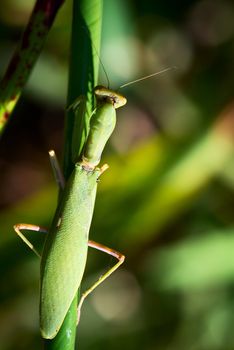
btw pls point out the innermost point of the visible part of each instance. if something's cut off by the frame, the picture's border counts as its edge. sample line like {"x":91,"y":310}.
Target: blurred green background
{"x":167,"y":200}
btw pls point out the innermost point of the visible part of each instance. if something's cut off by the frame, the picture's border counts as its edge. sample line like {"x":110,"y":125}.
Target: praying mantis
{"x":64,"y":254}
{"x":65,"y":250}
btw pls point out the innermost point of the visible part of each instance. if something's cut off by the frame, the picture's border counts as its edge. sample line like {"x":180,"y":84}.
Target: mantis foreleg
{"x":59,"y":178}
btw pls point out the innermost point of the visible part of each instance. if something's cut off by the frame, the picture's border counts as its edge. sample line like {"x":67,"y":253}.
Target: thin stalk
{"x":83,"y":74}
{"x":25,"y":56}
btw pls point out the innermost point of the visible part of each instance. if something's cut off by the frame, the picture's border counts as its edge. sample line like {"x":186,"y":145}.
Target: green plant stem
{"x":83,"y":74}
{"x":83,"y":71}
{"x":25,"y":56}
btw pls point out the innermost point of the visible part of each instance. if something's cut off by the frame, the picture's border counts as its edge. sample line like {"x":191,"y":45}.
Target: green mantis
{"x":65,"y":251}
{"x":64,"y":254}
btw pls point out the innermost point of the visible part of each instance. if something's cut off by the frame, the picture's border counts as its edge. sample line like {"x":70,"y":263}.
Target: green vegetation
{"x":167,"y":200}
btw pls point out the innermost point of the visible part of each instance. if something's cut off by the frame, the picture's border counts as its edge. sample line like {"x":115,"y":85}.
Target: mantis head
{"x":104,"y":94}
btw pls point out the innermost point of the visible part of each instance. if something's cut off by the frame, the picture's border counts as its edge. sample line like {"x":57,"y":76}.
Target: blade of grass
{"x":25,"y":56}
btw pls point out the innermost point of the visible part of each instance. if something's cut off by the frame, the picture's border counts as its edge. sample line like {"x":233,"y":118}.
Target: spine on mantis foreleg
{"x":65,"y":251}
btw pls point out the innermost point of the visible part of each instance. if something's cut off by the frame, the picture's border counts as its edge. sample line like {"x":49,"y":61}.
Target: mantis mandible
{"x":64,"y":254}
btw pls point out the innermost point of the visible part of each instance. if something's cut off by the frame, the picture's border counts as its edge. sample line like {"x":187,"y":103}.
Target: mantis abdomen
{"x":64,"y":255}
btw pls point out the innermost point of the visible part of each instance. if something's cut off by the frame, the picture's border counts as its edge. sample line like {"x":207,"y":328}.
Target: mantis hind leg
{"x":111,"y":252}
{"x":29,"y":227}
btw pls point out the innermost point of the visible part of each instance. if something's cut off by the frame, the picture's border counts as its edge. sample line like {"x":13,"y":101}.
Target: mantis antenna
{"x":147,"y":76}
{"x":96,"y":51}
{"x":103,"y":68}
